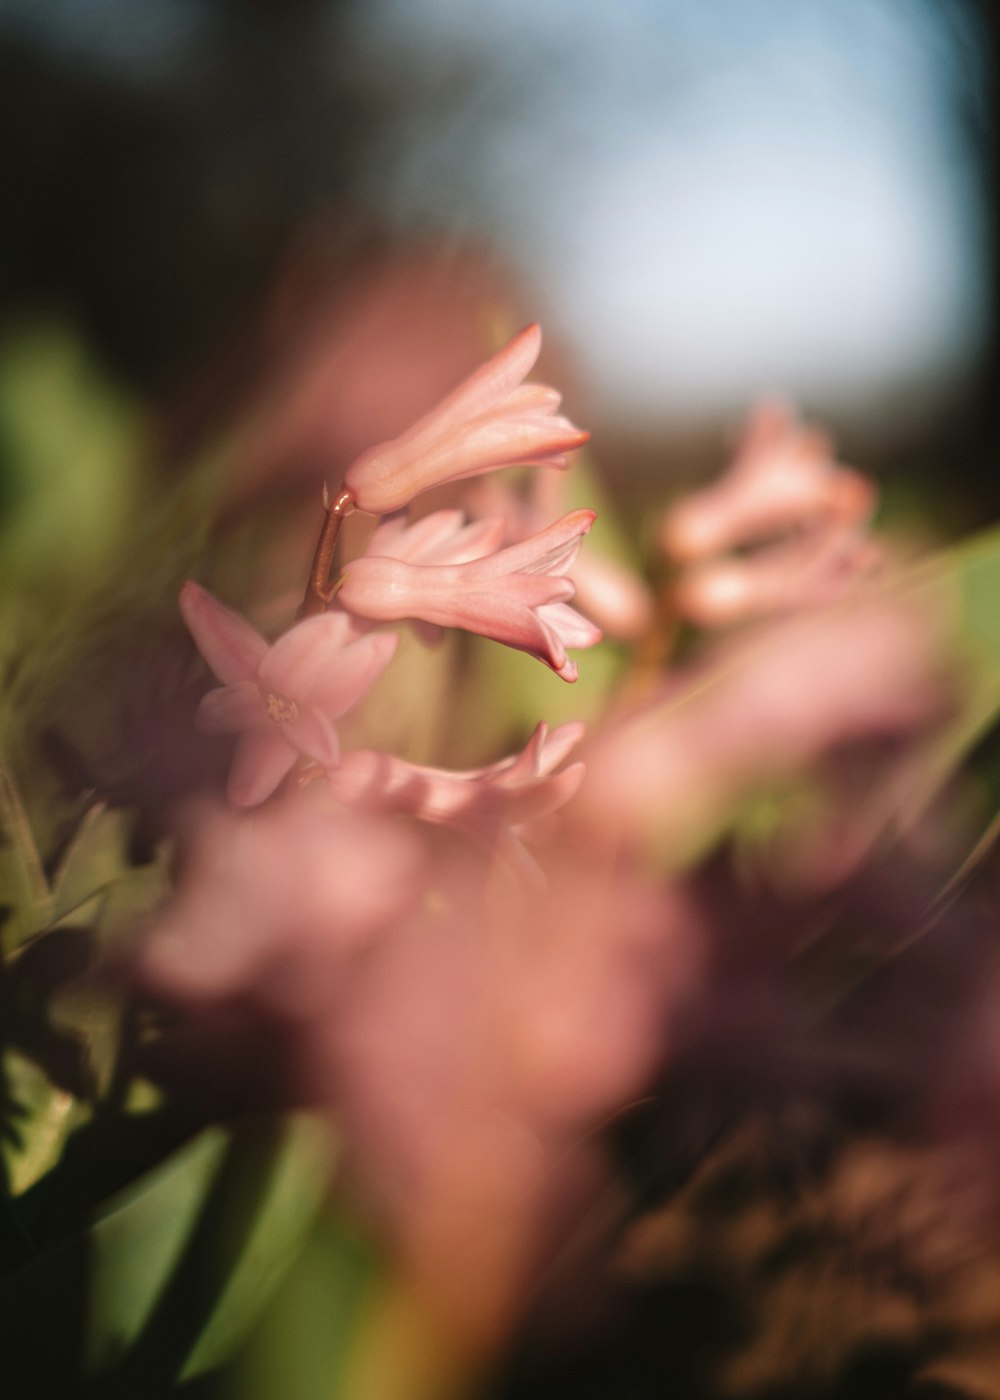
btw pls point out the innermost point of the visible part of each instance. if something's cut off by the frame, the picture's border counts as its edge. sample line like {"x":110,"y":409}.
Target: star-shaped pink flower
{"x":282,"y":698}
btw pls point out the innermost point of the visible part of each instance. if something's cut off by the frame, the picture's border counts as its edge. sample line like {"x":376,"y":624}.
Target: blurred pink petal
{"x":761,"y":711}
{"x":785,"y":494}
{"x":613,"y":596}
{"x":439,"y":538}
{"x":487,"y":422}
{"x":271,"y":902}
{"x":480,"y":1048}
{"x":807,"y":571}
{"x":262,"y":759}
{"x":485,"y":802}
{"x":783,"y":477}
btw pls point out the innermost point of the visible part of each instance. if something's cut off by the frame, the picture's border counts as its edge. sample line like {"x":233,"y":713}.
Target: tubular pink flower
{"x":508,"y":800}
{"x":785,"y":495}
{"x":784,"y":477}
{"x":281,"y":699}
{"x":806,"y":571}
{"x":517,"y":595}
{"x":608,"y":591}
{"x":491,"y":420}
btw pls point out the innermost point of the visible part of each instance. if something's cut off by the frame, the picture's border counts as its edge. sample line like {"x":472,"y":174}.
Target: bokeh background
{"x":700,"y":202}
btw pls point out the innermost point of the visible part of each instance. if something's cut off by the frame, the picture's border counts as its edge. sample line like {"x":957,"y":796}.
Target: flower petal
{"x":262,"y":759}
{"x":398,"y":540}
{"x":472,"y":542}
{"x":550,"y":551}
{"x":314,"y":735}
{"x":576,"y":631}
{"x":343,"y":680}
{"x":232,"y":648}
{"x":483,"y":389}
{"x":304,"y":652}
{"x":558,"y":745}
{"x":487,"y":422}
{"x":231,"y":709}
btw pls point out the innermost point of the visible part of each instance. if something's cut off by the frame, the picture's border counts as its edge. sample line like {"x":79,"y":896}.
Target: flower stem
{"x":318,"y":592}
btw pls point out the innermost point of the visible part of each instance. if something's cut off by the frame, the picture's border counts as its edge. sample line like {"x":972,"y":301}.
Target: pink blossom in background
{"x":760,"y":710}
{"x":282,"y":699}
{"x":491,"y":420}
{"x":500,"y":805}
{"x":346,"y":361}
{"x":784,"y":477}
{"x":614,"y":597}
{"x":517,"y":596}
{"x":806,"y":571}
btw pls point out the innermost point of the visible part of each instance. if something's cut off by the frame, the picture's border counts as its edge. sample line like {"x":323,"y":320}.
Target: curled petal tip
{"x":490,"y":420}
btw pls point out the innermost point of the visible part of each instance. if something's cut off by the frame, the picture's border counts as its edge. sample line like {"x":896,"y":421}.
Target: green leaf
{"x":70,"y":439}
{"x":95,"y":857}
{"x":24,"y":891}
{"x":38,"y":1118}
{"x":963,"y":585}
{"x":185,"y":1260}
{"x":175,"y":1269}
{"x":301,"y":1345}
{"x":272,"y":1243}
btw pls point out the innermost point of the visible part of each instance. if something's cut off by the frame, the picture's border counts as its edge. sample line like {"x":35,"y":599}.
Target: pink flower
{"x":608,"y":592}
{"x":760,"y":711}
{"x":517,"y":595}
{"x":271,"y":905}
{"x":807,"y":571}
{"x":786,"y":495}
{"x":784,"y":477}
{"x":491,"y":420}
{"x":504,"y":802}
{"x":281,"y":699}
{"x":439,"y":538}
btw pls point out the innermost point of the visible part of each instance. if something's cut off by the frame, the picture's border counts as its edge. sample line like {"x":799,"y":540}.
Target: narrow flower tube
{"x":608,"y":591}
{"x":491,"y":420}
{"x":517,"y":595}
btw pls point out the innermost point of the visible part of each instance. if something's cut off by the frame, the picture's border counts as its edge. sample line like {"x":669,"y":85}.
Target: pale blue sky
{"x":709,"y":198}
{"x":713,"y":198}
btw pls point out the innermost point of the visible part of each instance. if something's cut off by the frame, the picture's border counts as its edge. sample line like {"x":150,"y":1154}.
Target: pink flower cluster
{"x":471,"y":1011}
{"x":284,"y":700}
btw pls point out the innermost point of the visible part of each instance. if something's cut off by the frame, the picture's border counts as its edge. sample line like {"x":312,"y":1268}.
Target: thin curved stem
{"x":318,"y":591}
